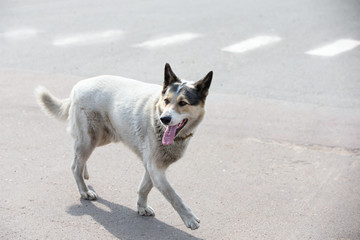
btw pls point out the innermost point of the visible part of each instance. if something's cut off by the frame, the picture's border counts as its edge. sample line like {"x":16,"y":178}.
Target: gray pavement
{"x":277,"y":156}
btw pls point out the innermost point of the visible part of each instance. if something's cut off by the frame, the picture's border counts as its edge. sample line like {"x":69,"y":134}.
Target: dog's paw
{"x":192,"y":222}
{"x":146,"y":211}
{"x":89,"y":195}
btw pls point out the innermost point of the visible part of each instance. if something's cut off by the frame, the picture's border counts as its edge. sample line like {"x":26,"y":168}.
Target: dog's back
{"x":124,"y":106}
{"x":118,"y":108}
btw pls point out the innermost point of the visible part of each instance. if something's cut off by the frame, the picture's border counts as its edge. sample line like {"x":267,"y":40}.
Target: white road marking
{"x":251,"y":44}
{"x":89,"y":38}
{"x":169,"y":40}
{"x":20,"y":34}
{"x":335,"y":48}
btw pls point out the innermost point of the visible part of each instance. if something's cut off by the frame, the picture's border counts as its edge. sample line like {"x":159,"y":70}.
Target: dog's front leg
{"x":144,"y":189}
{"x":160,"y":181}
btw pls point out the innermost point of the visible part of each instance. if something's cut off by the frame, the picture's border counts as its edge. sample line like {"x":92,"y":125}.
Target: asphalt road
{"x":277,"y":156}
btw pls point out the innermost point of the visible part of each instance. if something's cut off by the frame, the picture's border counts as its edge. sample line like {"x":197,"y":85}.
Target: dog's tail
{"x":59,"y":108}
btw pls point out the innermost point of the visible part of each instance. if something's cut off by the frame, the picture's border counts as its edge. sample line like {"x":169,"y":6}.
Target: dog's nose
{"x":165,"y":120}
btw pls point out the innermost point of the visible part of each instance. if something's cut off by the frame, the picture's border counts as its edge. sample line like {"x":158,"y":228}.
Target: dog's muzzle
{"x":171,"y":131}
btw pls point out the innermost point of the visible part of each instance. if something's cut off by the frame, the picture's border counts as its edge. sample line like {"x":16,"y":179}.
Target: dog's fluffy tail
{"x":59,"y":108}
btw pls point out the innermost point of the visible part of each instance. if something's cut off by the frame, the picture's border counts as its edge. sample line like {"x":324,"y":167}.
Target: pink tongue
{"x":169,"y":135}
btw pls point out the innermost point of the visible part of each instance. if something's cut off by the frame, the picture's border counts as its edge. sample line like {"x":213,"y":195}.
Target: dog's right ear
{"x":169,"y":77}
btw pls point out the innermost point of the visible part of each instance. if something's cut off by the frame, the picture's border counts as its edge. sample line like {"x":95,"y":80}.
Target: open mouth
{"x":172,"y":131}
{"x":181,"y":125}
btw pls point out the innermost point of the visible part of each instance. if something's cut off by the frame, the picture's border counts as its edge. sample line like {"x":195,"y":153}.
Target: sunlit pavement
{"x":277,"y":156}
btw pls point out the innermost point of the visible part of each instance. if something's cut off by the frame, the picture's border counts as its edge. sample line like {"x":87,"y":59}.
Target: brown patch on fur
{"x":188,"y":108}
{"x":174,"y":102}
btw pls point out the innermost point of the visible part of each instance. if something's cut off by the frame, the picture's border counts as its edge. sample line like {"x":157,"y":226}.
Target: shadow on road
{"x":125,"y":223}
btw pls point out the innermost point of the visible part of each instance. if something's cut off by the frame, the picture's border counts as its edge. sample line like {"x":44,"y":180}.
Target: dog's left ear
{"x":169,"y":76}
{"x":203,"y":85}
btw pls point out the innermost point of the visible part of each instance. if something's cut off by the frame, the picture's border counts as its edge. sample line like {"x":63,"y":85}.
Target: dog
{"x":155,"y":122}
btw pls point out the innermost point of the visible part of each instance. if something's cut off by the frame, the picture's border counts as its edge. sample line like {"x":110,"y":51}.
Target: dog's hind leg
{"x":144,"y":189}
{"x":82,"y":154}
{"x":85,"y":126}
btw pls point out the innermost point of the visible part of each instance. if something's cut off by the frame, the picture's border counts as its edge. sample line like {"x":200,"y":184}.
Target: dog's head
{"x":182,"y":104}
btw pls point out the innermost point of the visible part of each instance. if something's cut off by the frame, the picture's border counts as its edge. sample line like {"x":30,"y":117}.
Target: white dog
{"x":155,"y":122}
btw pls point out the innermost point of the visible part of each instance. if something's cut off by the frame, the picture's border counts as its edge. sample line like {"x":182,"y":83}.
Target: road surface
{"x":277,"y":156}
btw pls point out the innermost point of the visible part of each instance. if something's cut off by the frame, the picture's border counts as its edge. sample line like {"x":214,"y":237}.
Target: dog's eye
{"x":166,"y":101}
{"x":182,"y":103}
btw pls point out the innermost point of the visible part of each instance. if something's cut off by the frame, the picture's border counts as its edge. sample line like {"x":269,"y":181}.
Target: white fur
{"x":108,"y":109}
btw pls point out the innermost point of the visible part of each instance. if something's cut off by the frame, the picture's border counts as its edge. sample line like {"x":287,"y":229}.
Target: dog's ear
{"x":169,"y":76}
{"x":203,"y":85}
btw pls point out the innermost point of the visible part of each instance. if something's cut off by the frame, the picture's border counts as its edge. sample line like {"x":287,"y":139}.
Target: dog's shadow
{"x":125,"y":223}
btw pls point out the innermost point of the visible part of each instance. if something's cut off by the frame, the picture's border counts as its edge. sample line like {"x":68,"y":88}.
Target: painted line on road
{"x":251,"y":44}
{"x":335,"y":48}
{"x":169,"y":40}
{"x":20,"y":34}
{"x":89,"y":38}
